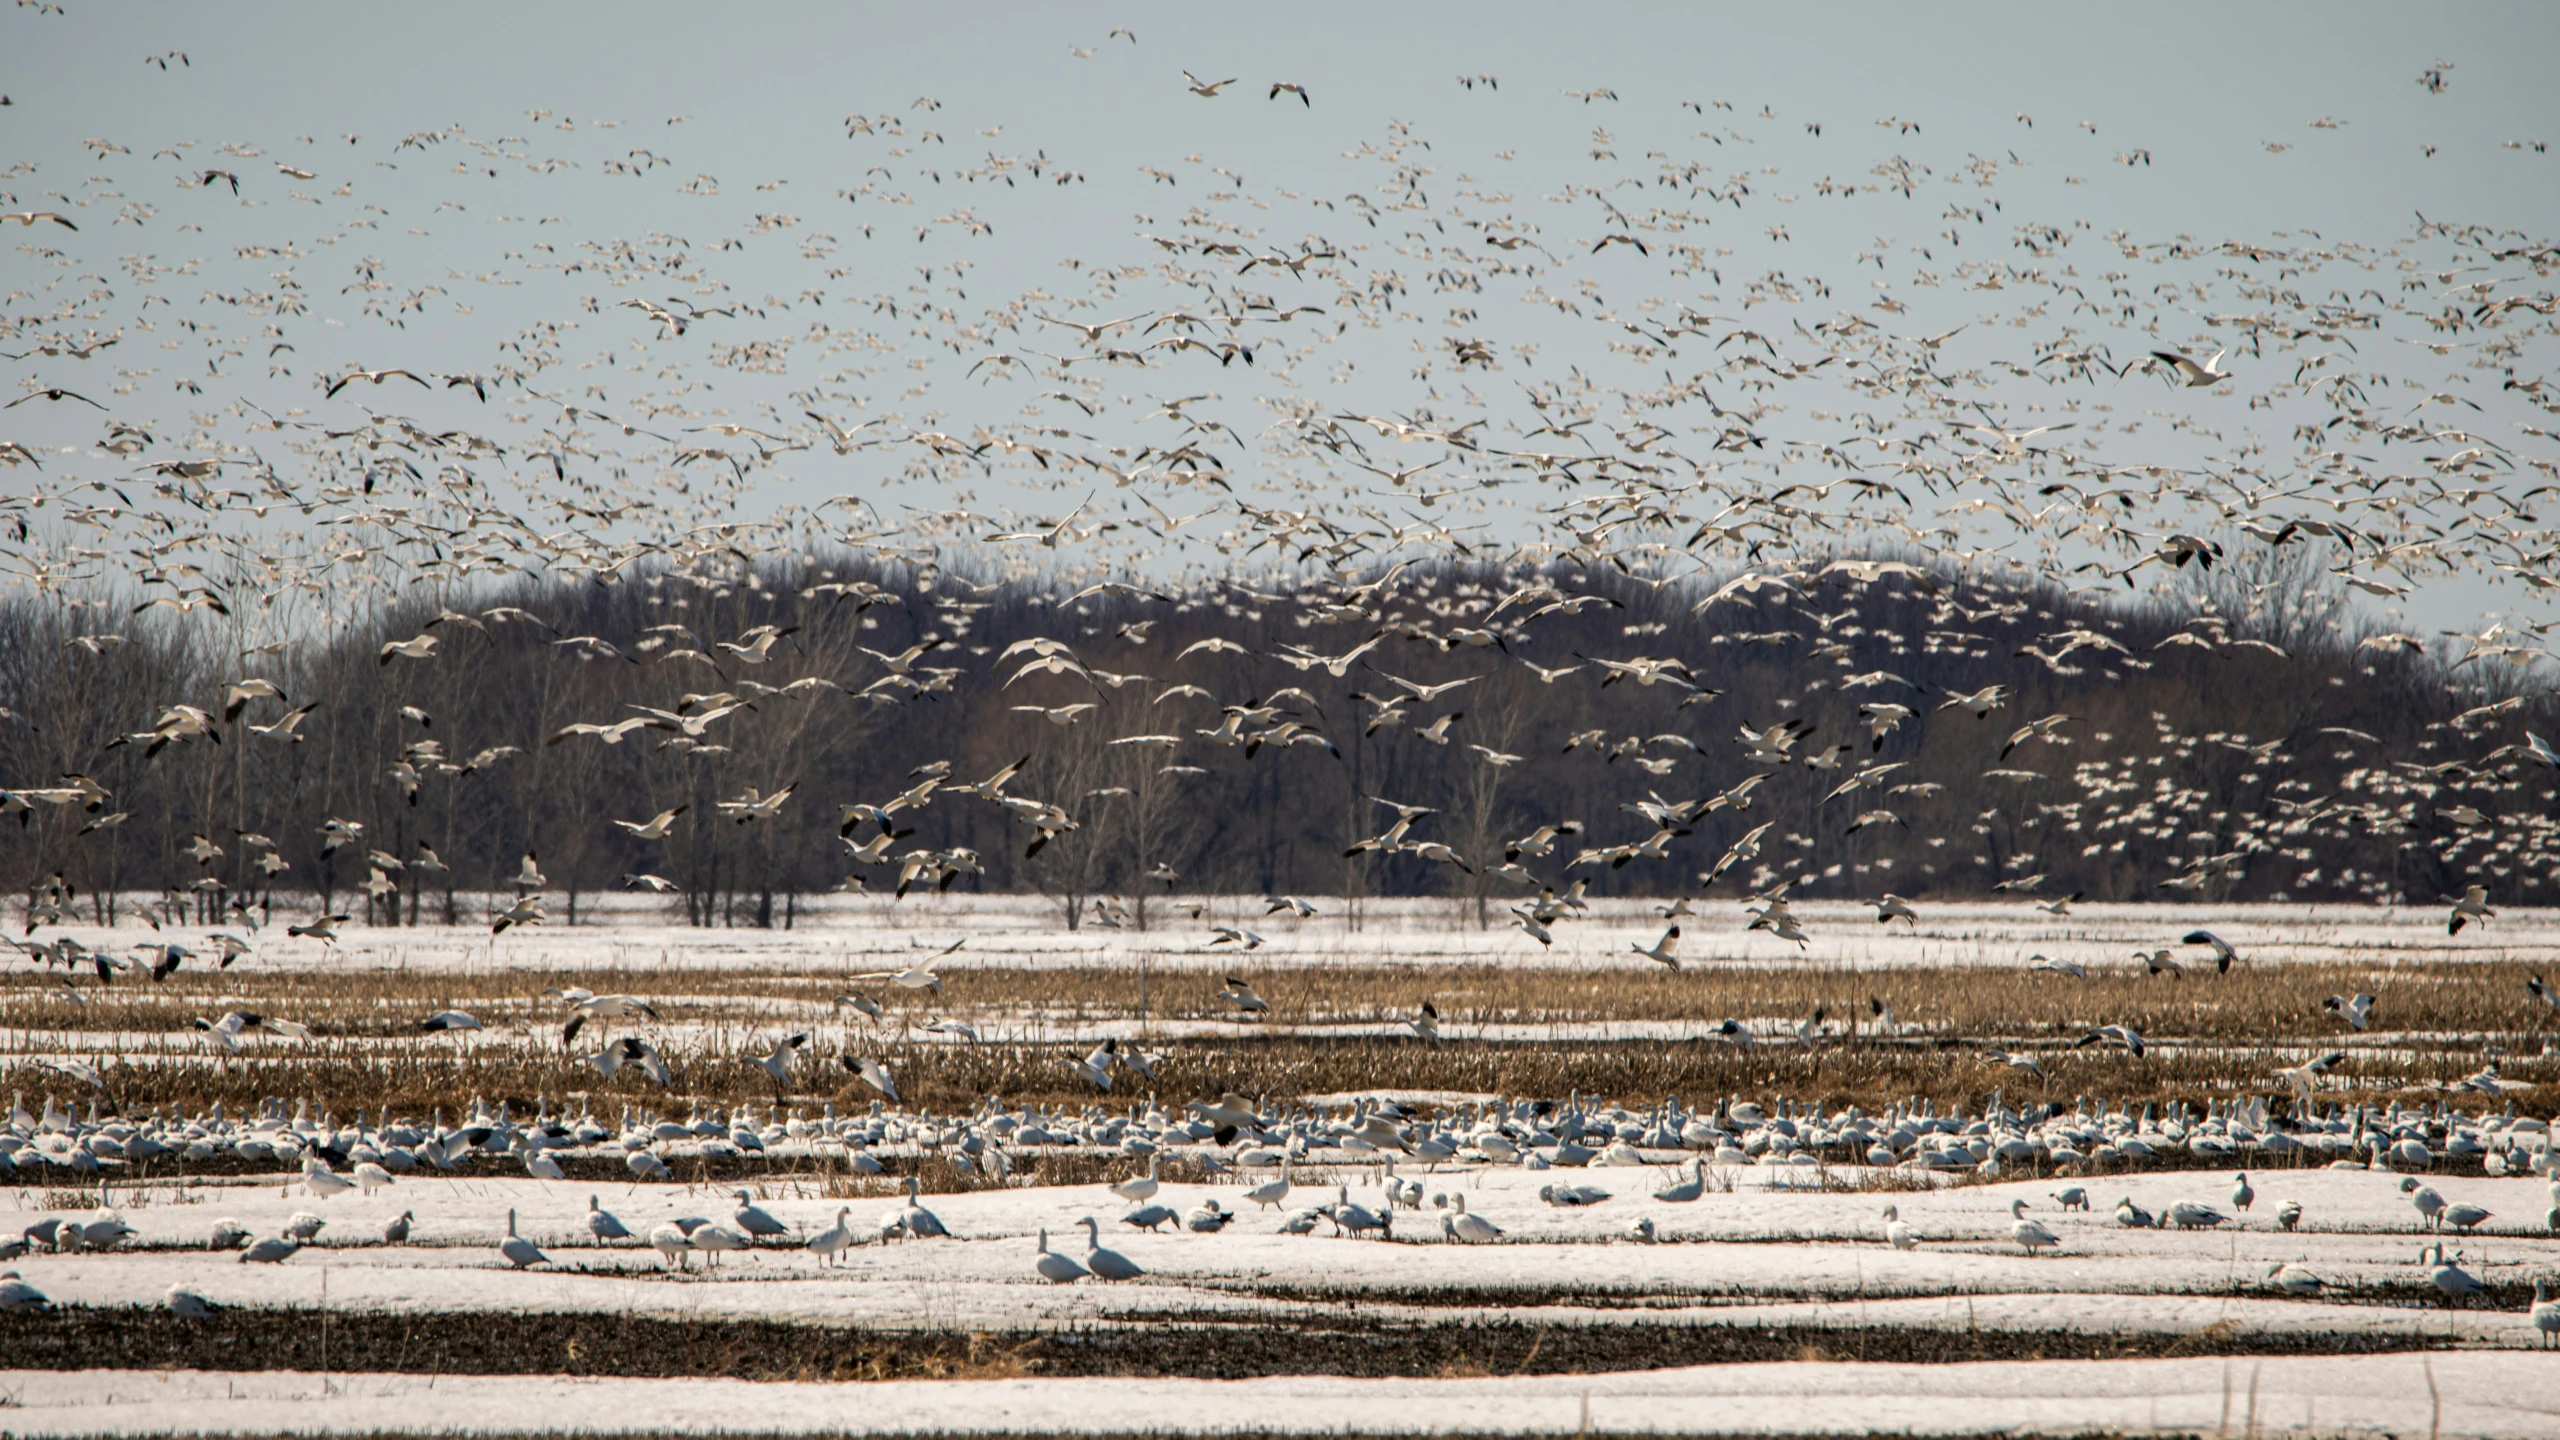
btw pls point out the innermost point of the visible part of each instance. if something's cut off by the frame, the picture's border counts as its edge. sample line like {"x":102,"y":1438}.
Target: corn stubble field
{"x":1526,"y":1025}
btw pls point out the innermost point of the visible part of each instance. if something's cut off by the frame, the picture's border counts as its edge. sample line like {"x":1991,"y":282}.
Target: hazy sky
{"x":2232,"y":106}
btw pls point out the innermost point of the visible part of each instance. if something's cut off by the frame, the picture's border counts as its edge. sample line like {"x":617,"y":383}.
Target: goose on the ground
{"x":186,"y":1304}
{"x":1897,"y":1231}
{"x":1055,"y":1268}
{"x":17,"y":1294}
{"x":1682,"y":1192}
{"x":2544,"y":1313}
{"x":1138,"y":1188}
{"x":833,"y":1240}
{"x":1271,"y":1192}
{"x":2292,"y":1279}
{"x":2289,"y":1214}
{"x":271,"y":1250}
{"x":397,"y":1231}
{"x":672,"y":1244}
{"x":1458,"y":1224}
{"x":604,"y":1224}
{"x":756,"y":1221}
{"x":2028,"y":1232}
{"x":1106,"y":1263}
{"x":517,"y":1250}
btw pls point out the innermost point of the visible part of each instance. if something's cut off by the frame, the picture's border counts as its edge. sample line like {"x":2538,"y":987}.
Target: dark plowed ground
{"x":525,"y":1344}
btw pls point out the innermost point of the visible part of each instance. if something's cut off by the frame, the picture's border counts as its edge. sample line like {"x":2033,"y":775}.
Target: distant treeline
{"x":2257,"y":751}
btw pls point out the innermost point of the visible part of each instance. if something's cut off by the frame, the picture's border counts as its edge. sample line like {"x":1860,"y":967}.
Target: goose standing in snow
{"x":604,"y":1224}
{"x":2289,"y":1214}
{"x":1271,"y":1192}
{"x":1897,"y":1231}
{"x":2429,"y":1204}
{"x":2242,"y":1196}
{"x":1138,"y":1189}
{"x":2452,"y":1279}
{"x":833,"y":1240}
{"x":17,"y":1294}
{"x":2292,"y":1279}
{"x":2027,"y":1232}
{"x":1458,"y":1224}
{"x":1055,"y":1268}
{"x":1105,"y":1263}
{"x":911,"y":1219}
{"x":517,"y":1250}
{"x":713,"y":1240}
{"x":673,"y":1245}
{"x":1686,"y":1190}
{"x":756,"y":1221}
{"x":397,"y":1231}
{"x":272,"y":1250}
{"x":2544,"y":1313}
{"x":186,"y":1304}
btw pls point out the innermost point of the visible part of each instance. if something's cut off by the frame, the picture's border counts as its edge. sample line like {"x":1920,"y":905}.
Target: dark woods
{"x":2221,"y":745}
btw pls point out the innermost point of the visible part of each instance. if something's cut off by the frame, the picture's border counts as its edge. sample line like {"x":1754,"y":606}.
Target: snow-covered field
{"x":2500,"y":1395}
{"x":841,"y":934}
{"x":1769,"y":1248}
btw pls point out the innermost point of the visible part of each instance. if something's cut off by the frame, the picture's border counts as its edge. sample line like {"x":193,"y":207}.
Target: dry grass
{"x":2217,"y":1035}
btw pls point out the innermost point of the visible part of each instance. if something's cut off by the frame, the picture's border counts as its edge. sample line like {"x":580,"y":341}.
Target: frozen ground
{"x":845,"y":934}
{"x":2502,"y":1395}
{"x":1762,"y":1254}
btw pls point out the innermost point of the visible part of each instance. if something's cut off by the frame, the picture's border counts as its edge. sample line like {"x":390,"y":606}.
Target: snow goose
{"x":757,"y":1222}
{"x":671,"y":1243}
{"x":17,"y":1294}
{"x":1897,"y":1231}
{"x":2242,"y":1196}
{"x":604,"y":1224}
{"x":1567,"y":1194}
{"x":2464,"y":1217}
{"x":1640,"y":1230}
{"x":2429,"y":1204}
{"x":915,"y":1221}
{"x":517,"y":1250}
{"x":2292,"y":1279}
{"x":186,"y":1304}
{"x":2452,"y":1279}
{"x":397,"y":1232}
{"x":2027,"y":1232}
{"x":1271,"y":1192}
{"x":833,"y":1240}
{"x":370,"y":1177}
{"x":1353,"y":1219}
{"x":321,"y":1182}
{"x":1686,"y":1190}
{"x":1469,"y":1229}
{"x":2074,"y":1198}
{"x":2545,"y":1312}
{"x":711,"y":1240}
{"x":1209,"y":1218}
{"x":1149,"y":1217}
{"x":2289,"y":1214}
{"x":1139,"y":1188}
{"x":1055,"y":1268}
{"x":1105,"y":1263}
{"x":2188,"y":1215}
{"x":273,"y":1250}
{"x":228,"y":1235}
